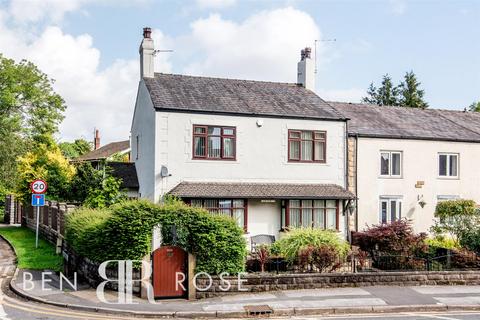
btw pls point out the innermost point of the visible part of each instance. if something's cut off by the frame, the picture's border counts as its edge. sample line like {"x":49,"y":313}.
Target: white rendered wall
{"x":143,"y":126}
{"x":420,"y":163}
{"x":261,"y":151}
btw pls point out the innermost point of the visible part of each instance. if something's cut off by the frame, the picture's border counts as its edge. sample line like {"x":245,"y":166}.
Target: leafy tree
{"x":386,"y":95}
{"x":72,"y":150}
{"x":474,"y":107}
{"x":108,"y":194}
{"x":86,"y":179}
{"x":410,"y":93}
{"x":46,"y":161}
{"x":119,"y":157}
{"x":456,"y":218}
{"x":406,"y":94}
{"x":29,"y":107}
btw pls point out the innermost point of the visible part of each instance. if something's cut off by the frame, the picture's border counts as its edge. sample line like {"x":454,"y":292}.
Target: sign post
{"x":38,"y":188}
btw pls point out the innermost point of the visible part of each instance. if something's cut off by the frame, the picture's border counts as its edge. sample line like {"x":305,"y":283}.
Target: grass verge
{"x":29,"y":257}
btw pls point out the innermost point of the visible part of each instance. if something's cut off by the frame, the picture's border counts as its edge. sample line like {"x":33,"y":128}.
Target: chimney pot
{"x":96,"y":140}
{"x":147,"y":32}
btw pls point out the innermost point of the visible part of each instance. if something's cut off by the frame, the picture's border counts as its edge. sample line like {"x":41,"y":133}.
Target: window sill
{"x":390,"y":177}
{"x":448,"y":178}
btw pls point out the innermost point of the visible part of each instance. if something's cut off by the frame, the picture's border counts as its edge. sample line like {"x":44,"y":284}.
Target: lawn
{"x":29,"y":257}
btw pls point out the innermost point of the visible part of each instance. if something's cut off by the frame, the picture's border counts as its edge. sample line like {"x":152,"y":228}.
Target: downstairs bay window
{"x":321,"y":214}
{"x":233,"y":208}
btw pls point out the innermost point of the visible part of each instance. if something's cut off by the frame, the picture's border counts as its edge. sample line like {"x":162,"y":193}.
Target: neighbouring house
{"x":270,"y":155}
{"x":403,"y":161}
{"x":117,"y":156}
{"x":119,"y":150}
{"x":127,"y":172}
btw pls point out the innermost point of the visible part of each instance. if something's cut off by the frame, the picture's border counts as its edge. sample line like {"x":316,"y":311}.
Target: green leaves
{"x":406,"y":94}
{"x":126,"y":230}
{"x":299,"y":239}
{"x":29,"y":108}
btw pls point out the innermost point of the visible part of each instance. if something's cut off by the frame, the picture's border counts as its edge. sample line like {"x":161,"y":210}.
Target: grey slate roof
{"x":125,"y":171}
{"x":243,"y":97}
{"x":408,"y":123}
{"x":260,"y":190}
{"x":105,"y":151}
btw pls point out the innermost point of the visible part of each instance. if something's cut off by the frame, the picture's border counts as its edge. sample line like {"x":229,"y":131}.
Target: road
{"x":13,"y":307}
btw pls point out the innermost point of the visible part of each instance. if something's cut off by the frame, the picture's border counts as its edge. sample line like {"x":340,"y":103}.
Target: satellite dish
{"x":164,"y":172}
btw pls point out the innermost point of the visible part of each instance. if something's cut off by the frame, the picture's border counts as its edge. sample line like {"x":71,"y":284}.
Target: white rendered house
{"x":270,"y":155}
{"x":403,"y":161}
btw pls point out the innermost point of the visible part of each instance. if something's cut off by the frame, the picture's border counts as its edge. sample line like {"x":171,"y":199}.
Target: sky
{"x":90,"y":48}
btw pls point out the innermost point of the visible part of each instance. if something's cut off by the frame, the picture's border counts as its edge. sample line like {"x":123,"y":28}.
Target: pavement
{"x":371,"y":302}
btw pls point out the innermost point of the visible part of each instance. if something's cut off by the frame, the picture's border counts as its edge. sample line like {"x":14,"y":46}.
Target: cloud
{"x":37,"y":10}
{"x":94,"y":97}
{"x":265,"y":46}
{"x":398,"y":7}
{"x":215,"y":4}
{"x":343,"y":95}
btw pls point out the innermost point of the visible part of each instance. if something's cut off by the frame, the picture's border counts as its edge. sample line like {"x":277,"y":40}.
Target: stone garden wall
{"x":267,"y":282}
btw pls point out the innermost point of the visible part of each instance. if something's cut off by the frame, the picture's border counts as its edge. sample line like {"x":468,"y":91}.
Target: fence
{"x":13,"y":213}
{"x":451,"y":260}
{"x":51,"y":222}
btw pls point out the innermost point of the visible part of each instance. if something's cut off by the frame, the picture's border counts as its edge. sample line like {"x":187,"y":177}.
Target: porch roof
{"x":260,"y":190}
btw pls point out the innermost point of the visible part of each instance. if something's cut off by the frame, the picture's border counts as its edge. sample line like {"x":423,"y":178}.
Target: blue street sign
{"x":38,"y":200}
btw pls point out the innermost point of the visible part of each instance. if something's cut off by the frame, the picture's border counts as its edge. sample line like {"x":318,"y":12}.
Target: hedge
{"x":124,"y":231}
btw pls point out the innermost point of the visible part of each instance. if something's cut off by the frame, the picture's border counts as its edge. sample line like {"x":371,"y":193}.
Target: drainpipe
{"x":345,"y":212}
{"x":356,"y":182}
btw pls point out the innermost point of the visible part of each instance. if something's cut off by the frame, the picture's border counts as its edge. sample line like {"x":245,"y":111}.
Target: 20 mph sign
{"x":38,"y":186}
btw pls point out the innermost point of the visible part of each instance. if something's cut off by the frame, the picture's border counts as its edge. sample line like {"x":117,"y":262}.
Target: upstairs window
{"x":307,"y":146}
{"x":214,"y":142}
{"x":391,"y":163}
{"x":448,"y":165}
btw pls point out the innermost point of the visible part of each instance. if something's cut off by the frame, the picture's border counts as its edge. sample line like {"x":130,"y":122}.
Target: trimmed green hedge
{"x":124,"y":232}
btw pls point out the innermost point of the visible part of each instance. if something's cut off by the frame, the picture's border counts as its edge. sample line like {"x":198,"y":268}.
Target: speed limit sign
{"x":38,"y":186}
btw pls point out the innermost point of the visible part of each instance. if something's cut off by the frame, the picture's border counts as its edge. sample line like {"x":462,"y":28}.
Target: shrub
{"x":456,"y":218}
{"x":84,"y":228}
{"x":124,"y":231}
{"x":321,"y":258}
{"x":396,"y":238}
{"x":300,"y":238}
{"x":262,"y":254}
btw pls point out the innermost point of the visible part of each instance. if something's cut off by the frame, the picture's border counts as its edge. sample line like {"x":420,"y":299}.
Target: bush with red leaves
{"x":392,"y":239}
{"x":321,"y":258}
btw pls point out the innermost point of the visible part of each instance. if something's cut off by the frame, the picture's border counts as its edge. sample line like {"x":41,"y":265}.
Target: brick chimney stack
{"x":96,"y":140}
{"x":147,"y":51}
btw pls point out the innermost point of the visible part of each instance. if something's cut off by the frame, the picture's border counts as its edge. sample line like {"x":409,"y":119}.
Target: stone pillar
{"x":191,"y":264}
{"x":146,"y":270}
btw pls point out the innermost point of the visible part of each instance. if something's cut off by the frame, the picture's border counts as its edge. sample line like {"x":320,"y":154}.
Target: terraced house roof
{"x":239,"y":97}
{"x":368,"y":120}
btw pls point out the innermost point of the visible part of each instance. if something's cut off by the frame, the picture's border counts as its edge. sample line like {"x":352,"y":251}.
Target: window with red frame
{"x":307,"y":146}
{"x":233,"y":208}
{"x":308,"y":213}
{"x":214,"y":142}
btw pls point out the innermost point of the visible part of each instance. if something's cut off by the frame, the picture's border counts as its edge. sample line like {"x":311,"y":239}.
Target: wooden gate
{"x":167,"y":262}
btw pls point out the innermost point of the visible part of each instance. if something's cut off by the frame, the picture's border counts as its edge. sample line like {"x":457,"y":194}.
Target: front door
{"x":169,"y":268}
